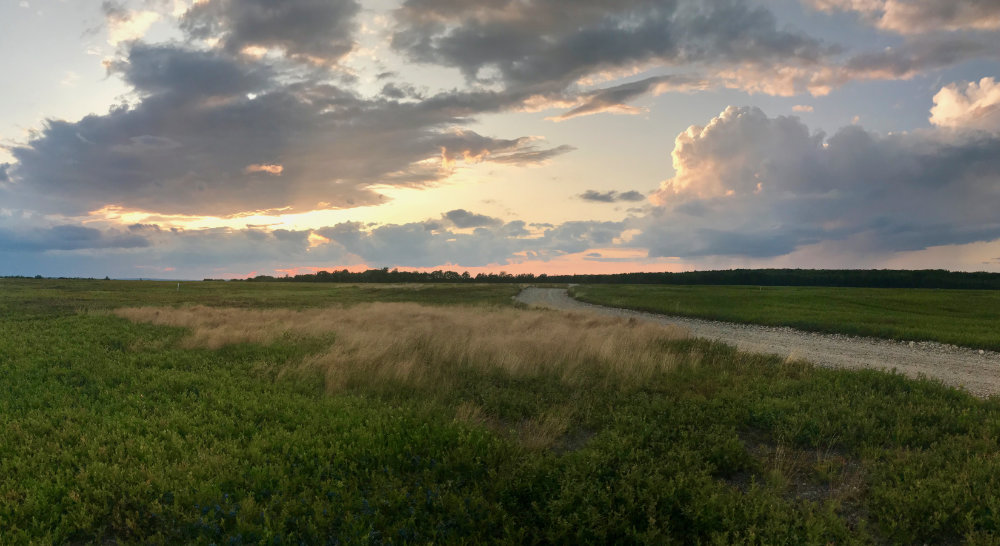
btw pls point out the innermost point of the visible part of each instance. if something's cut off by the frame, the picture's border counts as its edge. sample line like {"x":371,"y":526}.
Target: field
{"x":252,"y":413}
{"x":959,"y":317}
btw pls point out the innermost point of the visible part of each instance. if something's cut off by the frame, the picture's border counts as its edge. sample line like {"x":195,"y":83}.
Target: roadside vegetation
{"x":285,"y":417}
{"x":960,"y":317}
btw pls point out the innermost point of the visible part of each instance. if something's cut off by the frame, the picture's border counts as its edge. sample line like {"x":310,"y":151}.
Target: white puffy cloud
{"x":969,"y":105}
{"x":751,"y":185}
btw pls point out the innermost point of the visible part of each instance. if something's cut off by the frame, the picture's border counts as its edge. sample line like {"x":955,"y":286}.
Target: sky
{"x":196,"y":139}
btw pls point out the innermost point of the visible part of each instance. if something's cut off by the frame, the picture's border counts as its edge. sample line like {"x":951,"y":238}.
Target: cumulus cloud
{"x":319,"y":31}
{"x":203,"y":117}
{"x":918,"y":16}
{"x":971,"y":105}
{"x":751,"y":185}
{"x":612,"y":196}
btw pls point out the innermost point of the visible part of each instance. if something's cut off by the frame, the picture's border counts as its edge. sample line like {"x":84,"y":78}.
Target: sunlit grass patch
{"x":431,"y":347}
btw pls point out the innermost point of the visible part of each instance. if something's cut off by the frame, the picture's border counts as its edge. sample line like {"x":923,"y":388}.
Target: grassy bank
{"x":959,"y":317}
{"x":402,"y":423}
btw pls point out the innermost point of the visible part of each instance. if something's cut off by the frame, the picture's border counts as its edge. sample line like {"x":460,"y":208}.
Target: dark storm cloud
{"x":612,"y":196}
{"x":218,"y":135}
{"x":751,"y":185}
{"x":316,"y":30}
{"x":462,"y":218}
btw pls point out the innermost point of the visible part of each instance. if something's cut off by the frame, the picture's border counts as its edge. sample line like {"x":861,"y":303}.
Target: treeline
{"x":875,"y":278}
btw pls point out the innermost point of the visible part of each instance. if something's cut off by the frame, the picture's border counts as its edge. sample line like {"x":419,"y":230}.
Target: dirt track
{"x":976,"y":371}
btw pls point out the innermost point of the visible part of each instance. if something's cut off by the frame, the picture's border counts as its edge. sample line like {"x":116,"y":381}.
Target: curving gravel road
{"x":976,"y":371}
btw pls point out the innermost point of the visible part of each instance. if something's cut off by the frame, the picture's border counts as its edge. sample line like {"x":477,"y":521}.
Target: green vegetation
{"x":128,"y":432}
{"x":959,"y":317}
{"x":30,"y":297}
{"x":871,"y":278}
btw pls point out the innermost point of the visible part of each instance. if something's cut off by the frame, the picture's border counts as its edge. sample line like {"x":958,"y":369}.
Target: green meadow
{"x":960,"y":317}
{"x":260,"y":413}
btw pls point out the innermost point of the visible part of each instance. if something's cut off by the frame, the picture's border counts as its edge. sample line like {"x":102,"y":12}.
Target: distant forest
{"x":874,"y":278}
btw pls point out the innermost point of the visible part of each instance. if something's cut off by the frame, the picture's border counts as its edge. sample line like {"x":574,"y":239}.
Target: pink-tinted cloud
{"x":968,"y":105}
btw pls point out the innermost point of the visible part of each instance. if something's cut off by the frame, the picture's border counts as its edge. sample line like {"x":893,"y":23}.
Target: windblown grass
{"x":432,"y":347}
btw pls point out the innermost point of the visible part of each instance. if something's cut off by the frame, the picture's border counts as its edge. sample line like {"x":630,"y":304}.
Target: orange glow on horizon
{"x":570,"y":264}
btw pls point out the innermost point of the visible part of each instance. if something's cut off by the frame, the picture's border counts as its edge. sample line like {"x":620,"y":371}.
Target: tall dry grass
{"x":424,"y":346}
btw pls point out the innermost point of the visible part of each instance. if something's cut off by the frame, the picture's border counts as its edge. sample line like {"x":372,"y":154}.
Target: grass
{"x":958,"y":317}
{"x":472,"y":423}
{"x":48,"y":297}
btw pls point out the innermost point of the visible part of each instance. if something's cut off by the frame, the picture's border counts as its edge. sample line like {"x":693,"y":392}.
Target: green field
{"x":961,"y":317}
{"x":469,"y":421}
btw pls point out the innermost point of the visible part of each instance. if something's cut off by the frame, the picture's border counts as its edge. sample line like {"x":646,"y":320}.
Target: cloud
{"x":319,"y":31}
{"x":616,"y":99}
{"x":972,"y":105}
{"x":462,"y":218}
{"x":919,"y":54}
{"x":125,"y":25}
{"x":554,"y":54}
{"x":918,"y":16}
{"x":202,"y":117}
{"x":750,"y":185}
{"x":802,"y":108}
{"x":914,"y":56}
{"x":421,"y":244}
{"x":274,"y":170}
{"x":179,"y":75}
{"x":534,"y":48}
{"x":612,"y":196}
{"x":66,"y":237}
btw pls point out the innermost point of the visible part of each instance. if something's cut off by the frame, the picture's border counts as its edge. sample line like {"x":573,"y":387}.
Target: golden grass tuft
{"x":429,"y":346}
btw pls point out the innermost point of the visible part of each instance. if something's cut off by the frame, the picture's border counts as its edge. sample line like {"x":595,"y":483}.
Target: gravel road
{"x":976,"y":371}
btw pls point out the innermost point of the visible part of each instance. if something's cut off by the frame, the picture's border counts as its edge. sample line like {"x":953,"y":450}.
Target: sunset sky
{"x":225,"y":138}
